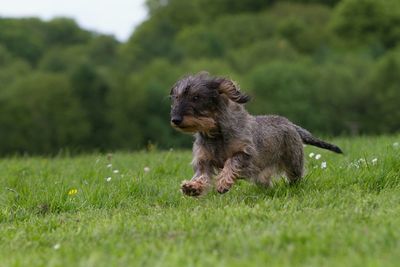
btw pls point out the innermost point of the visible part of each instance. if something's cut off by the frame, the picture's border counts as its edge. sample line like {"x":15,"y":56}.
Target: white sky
{"x":117,"y":17}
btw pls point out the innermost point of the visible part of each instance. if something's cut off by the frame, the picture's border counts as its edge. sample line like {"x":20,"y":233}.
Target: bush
{"x":262,"y":52}
{"x":45,"y":115}
{"x":382,"y":95}
{"x":368,"y":21}
{"x":286,"y":89}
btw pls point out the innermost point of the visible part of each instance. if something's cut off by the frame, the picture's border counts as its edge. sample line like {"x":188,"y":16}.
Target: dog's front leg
{"x":231,"y":171}
{"x":200,"y":182}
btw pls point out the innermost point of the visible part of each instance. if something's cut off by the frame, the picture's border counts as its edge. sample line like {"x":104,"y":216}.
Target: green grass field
{"x":66,"y":211}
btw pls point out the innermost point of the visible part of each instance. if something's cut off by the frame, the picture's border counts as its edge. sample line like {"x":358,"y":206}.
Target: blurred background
{"x":332,"y":66}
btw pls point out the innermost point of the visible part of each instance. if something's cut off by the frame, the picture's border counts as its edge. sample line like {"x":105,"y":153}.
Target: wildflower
{"x":146,"y":169}
{"x":318,"y":156}
{"x":108,"y":179}
{"x":354,"y":164}
{"x":72,"y":192}
{"x":374,"y":161}
{"x":115,"y":171}
{"x":323,"y":165}
{"x":311,"y":155}
{"x":109,"y":165}
{"x":57,"y":246}
{"x":361,"y":160}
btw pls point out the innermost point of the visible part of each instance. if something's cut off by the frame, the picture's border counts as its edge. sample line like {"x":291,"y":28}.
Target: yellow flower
{"x":72,"y":192}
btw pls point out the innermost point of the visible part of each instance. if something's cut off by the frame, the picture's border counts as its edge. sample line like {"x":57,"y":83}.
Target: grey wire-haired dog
{"x":230,"y":143}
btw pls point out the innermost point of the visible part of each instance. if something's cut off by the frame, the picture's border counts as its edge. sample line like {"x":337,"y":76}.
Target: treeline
{"x":331,"y":66}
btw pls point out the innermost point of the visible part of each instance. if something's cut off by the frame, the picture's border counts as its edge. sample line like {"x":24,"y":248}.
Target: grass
{"x":345,"y":215}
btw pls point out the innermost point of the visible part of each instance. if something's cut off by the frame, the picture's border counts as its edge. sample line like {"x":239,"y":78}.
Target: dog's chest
{"x":218,"y":150}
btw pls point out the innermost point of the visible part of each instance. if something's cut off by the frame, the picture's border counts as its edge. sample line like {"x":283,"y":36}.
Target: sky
{"x":117,"y":17}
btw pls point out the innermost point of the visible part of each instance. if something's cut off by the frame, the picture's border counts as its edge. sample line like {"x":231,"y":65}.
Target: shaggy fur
{"x":230,"y":143}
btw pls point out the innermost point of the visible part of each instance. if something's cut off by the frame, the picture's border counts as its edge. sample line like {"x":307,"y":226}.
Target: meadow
{"x":126,"y":209}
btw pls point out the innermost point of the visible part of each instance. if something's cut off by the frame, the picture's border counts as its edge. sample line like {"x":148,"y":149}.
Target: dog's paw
{"x":224,"y":185}
{"x":193,"y":188}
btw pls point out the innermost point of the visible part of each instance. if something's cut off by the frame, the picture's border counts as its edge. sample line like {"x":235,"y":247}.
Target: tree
{"x":369,"y":21}
{"x":91,"y":90}
{"x":382,"y":95}
{"x":39,"y":114}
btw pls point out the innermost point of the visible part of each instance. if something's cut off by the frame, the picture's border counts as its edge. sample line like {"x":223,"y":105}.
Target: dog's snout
{"x":176,"y":120}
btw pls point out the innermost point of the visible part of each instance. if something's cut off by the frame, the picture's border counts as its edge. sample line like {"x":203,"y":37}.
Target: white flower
{"x":374,"y":161}
{"x":355,"y":164}
{"x":396,"y":144}
{"x":109,"y":165}
{"x":323,"y":165}
{"x":56,"y":246}
{"x":362,"y":161}
{"x":318,"y":156}
{"x":108,"y":179}
{"x":311,"y":155}
{"x":115,"y":171}
{"x":146,"y":169}
{"x":352,"y":164}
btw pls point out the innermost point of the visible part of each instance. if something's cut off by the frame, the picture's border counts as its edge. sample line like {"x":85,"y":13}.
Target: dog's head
{"x":197,"y":99}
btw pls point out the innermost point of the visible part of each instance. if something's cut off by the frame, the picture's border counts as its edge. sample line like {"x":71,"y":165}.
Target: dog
{"x":230,"y":143}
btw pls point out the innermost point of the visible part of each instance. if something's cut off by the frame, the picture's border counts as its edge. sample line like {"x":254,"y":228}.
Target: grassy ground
{"x":65,"y":212}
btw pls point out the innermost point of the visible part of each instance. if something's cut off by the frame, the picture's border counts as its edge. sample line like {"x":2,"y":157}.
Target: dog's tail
{"x":309,"y":139}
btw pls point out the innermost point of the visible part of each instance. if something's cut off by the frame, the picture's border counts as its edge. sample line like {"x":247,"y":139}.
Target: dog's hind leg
{"x":293,"y":163}
{"x":264,"y":178}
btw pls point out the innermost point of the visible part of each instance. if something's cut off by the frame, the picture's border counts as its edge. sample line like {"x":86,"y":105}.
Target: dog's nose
{"x":177,"y":120}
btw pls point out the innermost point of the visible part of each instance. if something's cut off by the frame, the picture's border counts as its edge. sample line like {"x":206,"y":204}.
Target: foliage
{"x":368,"y":21}
{"x":42,"y":114}
{"x":330,"y":66}
{"x":386,"y":80}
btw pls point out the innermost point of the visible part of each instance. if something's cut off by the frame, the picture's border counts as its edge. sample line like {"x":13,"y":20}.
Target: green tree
{"x":286,"y":89}
{"x":369,"y":21}
{"x":65,"y":32}
{"x":23,"y":38}
{"x":382,"y":95}
{"x":39,"y":114}
{"x":92,"y":90}
{"x":262,"y":52}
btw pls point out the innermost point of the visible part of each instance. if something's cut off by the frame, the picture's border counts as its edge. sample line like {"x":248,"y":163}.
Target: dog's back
{"x":279,"y":145}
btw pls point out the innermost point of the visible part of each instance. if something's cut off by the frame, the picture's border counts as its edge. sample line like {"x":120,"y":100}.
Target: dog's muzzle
{"x":176,"y":120}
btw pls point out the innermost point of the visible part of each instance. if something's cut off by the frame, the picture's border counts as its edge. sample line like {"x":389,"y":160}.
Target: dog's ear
{"x":230,"y":89}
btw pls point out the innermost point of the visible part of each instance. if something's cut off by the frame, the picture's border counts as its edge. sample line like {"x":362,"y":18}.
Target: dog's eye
{"x":195,"y":98}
